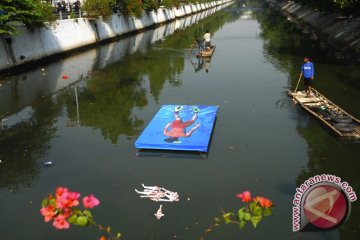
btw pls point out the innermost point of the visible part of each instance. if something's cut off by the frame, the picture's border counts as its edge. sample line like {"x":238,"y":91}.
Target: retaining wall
{"x":344,"y":33}
{"x":67,"y":35}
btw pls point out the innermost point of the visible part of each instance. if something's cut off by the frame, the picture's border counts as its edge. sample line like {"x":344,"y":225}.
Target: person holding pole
{"x":198,"y":43}
{"x":307,"y":70}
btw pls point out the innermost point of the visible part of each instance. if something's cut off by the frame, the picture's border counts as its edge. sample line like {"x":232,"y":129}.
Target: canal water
{"x":84,"y":113}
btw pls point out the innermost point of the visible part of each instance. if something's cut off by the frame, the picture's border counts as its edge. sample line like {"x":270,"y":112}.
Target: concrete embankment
{"x":67,"y":35}
{"x":342,"y":33}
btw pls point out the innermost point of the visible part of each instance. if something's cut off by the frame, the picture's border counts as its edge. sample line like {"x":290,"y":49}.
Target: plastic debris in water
{"x":159,"y":213}
{"x":158,"y":194}
{"x":49,"y":163}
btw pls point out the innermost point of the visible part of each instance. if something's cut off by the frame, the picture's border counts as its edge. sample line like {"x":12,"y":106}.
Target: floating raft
{"x":207,"y":53}
{"x":180,"y":128}
{"x":343,"y":124}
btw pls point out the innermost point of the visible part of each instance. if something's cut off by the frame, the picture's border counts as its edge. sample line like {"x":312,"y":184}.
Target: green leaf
{"x":73,"y":219}
{"x":226,"y":217}
{"x":52,"y":201}
{"x":108,"y":229}
{"x":241,"y":214}
{"x":217,"y":220}
{"x":44,"y":202}
{"x":242,"y":224}
{"x":247,"y":216}
{"x":267,"y":211}
{"x":257,"y":211}
{"x":88,"y":214}
{"x":82,"y":221}
{"x":255,"y":220}
{"x":252,"y":205}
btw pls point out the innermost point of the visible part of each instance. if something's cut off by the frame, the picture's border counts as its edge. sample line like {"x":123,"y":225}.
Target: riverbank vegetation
{"x":344,"y":7}
{"x":32,"y":13}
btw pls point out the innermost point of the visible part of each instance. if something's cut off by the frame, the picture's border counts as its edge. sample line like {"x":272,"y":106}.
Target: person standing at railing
{"x":58,"y":6}
{"x":77,"y":6}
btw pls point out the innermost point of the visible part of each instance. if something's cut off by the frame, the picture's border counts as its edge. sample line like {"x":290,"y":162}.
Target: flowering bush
{"x":61,"y":208}
{"x":256,"y":208}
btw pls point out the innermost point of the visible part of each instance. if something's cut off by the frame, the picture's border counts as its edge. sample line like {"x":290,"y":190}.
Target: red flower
{"x":245,"y":196}
{"x":264,"y":202}
{"x":48,"y":212}
{"x":60,"y":222}
{"x":60,"y":191}
{"x":66,"y":199}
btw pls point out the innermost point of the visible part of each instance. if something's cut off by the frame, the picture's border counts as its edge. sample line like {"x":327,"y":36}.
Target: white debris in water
{"x":158,"y":194}
{"x":159,"y":213}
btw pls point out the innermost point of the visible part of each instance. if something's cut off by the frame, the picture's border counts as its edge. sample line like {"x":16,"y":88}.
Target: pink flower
{"x":90,"y":201}
{"x":245,"y":196}
{"x":60,"y":222}
{"x":67,"y":199}
{"x":48,"y":212}
{"x":73,"y":199}
{"x":60,"y":191}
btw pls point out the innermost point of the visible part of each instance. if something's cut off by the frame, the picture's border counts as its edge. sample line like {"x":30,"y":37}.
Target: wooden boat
{"x":343,"y":124}
{"x":207,"y":53}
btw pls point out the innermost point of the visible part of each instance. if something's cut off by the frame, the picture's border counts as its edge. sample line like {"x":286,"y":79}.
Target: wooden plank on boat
{"x":207,"y":53}
{"x":318,"y":101}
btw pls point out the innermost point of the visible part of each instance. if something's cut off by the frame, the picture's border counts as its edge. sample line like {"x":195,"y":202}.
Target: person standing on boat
{"x":199,"y":43}
{"x":207,"y":39}
{"x":307,"y":70}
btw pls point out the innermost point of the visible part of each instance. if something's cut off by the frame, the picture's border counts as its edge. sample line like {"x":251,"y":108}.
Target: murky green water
{"x":87,"y":125}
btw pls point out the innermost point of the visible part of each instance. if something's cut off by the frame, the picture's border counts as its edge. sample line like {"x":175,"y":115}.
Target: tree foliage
{"x":95,"y":8}
{"x":31,"y":13}
{"x":346,"y":7}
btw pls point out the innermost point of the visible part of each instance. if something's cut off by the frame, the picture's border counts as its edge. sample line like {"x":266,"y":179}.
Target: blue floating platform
{"x":179,"y":127}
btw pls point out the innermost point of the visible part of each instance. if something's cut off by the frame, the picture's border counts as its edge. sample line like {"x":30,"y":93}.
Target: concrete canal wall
{"x":47,"y":79}
{"x":342,"y":33}
{"x":67,"y":35}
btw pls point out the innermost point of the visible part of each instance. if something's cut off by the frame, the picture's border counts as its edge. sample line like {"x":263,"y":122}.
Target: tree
{"x":31,"y":13}
{"x":96,"y":8}
{"x":347,"y":7}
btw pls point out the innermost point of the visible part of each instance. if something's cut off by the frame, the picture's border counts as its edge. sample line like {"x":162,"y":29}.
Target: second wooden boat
{"x":337,"y":119}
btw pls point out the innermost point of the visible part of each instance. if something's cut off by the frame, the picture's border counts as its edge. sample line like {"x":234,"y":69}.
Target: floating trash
{"x":158,"y":194}
{"x":159,"y":213}
{"x":48,"y":163}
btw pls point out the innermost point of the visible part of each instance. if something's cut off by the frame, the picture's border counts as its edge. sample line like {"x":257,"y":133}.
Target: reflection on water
{"x":201,"y":63}
{"x":88,"y":123}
